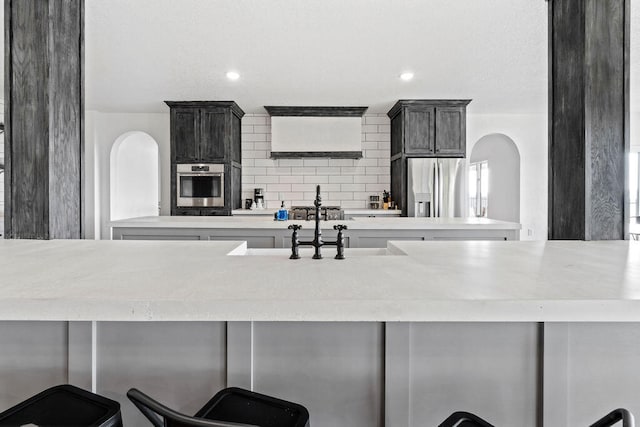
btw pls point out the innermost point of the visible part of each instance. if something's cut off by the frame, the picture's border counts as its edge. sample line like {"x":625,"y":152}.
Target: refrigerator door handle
{"x":436,"y":189}
{"x":440,"y":190}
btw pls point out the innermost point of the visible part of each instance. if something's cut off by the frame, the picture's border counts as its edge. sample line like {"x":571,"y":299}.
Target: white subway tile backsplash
{"x":291,"y":196}
{"x":279,"y":187}
{"x":344,"y":182}
{"x":341,"y":162}
{"x":254,"y":171}
{"x":353,"y":171}
{"x":378,"y":154}
{"x":370,"y":145}
{"x":354,"y":187}
{"x":316,"y":179}
{"x":377,"y":188}
{"x":340,"y":179}
{"x":254,"y":119}
{"x":380,"y":170}
{"x":289,"y":179}
{"x":303,"y":171}
{"x":365,"y":179}
{"x":328,"y":171}
{"x":267,"y":163}
{"x":376,"y":120}
{"x":316,"y":162}
{"x":303,"y":187}
{"x":343,"y":195}
{"x":254,"y":154}
{"x":279,"y":171}
{"x":266,"y":179}
{"x":261,"y":129}
{"x":382,"y":137}
{"x":331,"y":187}
{"x":262,"y":146}
{"x":290,"y":162}
{"x":254,"y":137}
{"x":365,"y":162}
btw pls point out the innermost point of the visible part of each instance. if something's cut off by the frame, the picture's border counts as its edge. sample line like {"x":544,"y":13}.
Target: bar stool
{"x":64,"y":405}
{"x":464,"y":419}
{"x":613,"y":417}
{"x":230,"y":407}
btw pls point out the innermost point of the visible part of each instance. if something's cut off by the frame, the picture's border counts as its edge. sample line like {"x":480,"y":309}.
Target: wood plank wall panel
{"x":604,"y":119}
{"x":65,"y":120}
{"x":26,"y":151}
{"x":566,"y":146}
{"x":44,"y":118}
{"x":588,"y":118}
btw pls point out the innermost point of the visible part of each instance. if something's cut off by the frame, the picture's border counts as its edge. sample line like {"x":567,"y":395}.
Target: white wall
{"x":529,"y":133}
{"x":503,"y":159}
{"x":102,"y":131}
{"x":635,"y":131}
{"x":135,"y":182}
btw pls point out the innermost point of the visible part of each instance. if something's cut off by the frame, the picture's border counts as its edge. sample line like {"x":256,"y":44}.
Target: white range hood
{"x":298,"y":132}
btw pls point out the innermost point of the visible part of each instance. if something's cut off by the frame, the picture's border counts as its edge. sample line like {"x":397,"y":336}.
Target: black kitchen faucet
{"x":317,"y":241}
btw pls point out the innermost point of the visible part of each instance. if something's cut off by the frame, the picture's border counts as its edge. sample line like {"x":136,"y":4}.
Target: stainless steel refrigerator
{"x":435,"y":187}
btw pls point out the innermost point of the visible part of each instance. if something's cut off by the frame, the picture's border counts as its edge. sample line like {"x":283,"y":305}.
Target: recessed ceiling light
{"x":232,"y":75}
{"x":406,"y":76}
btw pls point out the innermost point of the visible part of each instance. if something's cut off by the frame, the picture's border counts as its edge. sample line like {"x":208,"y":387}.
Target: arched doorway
{"x":134,"y":176}
{"x":495,"y":164}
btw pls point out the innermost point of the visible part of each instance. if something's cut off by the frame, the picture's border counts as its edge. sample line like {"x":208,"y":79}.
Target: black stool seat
{"x":229,"y":407}
{"x":243,"y":406}
{"x":64,"y":405}
{"x":464,"y":419}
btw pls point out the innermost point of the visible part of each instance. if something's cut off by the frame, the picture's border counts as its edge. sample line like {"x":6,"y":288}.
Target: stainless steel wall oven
{"x":200,"y":185}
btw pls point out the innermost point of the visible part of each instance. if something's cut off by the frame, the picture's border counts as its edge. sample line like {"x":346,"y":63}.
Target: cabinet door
{"x":212,"y":134}
{"x":450,"y":132}
{"x":419,"y":131}
{"x":185,"y":135}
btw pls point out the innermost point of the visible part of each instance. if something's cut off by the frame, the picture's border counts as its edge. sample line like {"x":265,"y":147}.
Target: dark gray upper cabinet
{"x":184,"y":128}
{"x":205,"y":131}
{"x":450,"y":131}
{"x":419,"y":131}
{"x":428,"y":128}
{"x":212,"y":134}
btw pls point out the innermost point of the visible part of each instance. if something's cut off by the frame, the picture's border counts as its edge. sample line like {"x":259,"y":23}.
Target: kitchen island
{"x":363,"y":232}
{"x":516,"y":331}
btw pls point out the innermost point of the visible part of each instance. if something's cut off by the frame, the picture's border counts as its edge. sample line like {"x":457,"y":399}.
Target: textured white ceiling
{"x":316,"y":52}
{"x":322,"y":52}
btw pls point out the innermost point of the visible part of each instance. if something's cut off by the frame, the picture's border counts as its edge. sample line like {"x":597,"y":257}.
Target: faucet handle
{"x":294,"y":227}
{"x":340,"y":227}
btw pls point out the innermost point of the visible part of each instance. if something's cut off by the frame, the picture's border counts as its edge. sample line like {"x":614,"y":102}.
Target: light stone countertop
{"x":257,"y":222}
{"x":432,"y":281}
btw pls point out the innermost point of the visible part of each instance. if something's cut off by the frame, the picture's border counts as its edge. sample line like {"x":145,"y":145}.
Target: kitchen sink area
{"x":328,"y":253}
